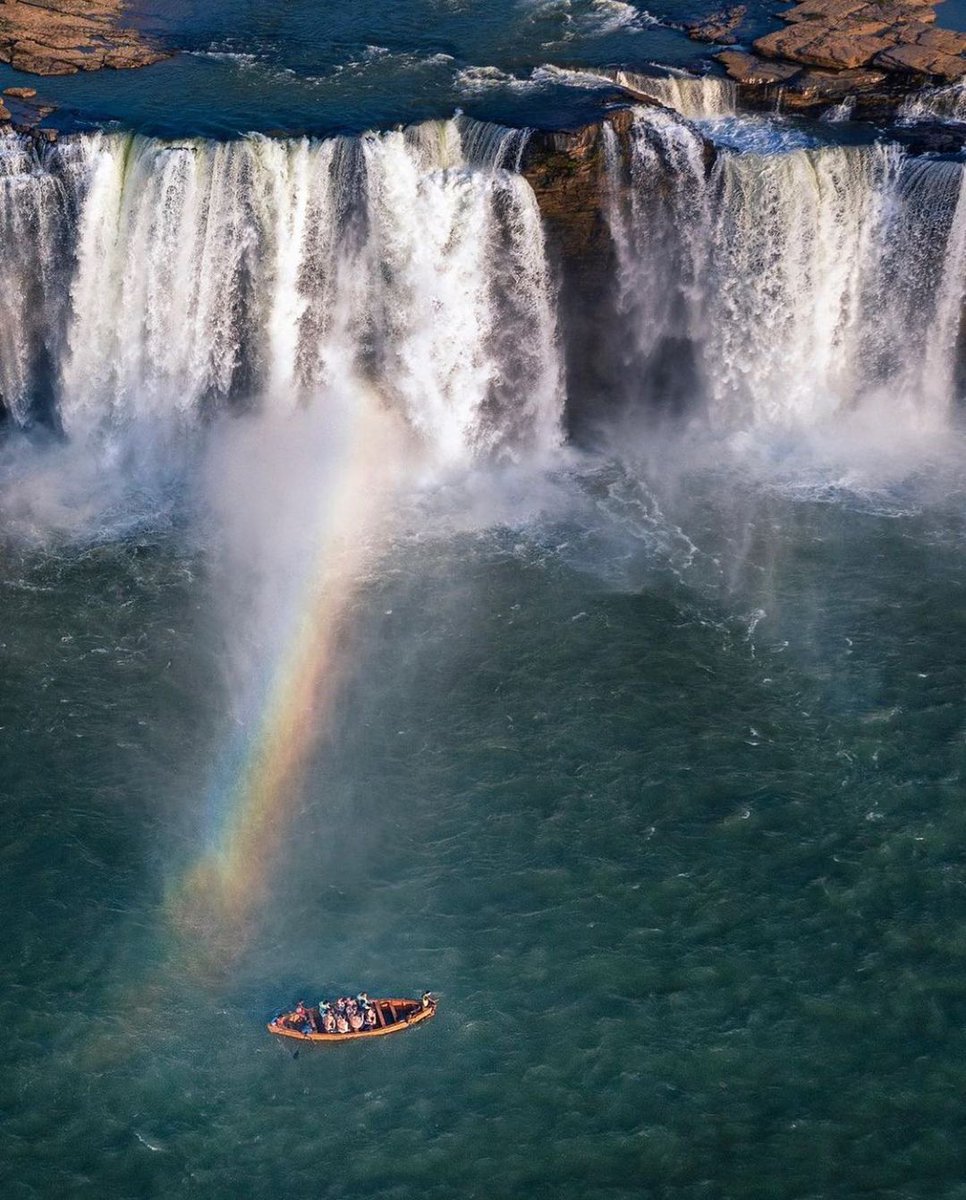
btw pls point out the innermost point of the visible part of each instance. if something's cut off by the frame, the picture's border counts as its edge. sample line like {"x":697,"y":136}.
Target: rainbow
{"x":213,"y":900}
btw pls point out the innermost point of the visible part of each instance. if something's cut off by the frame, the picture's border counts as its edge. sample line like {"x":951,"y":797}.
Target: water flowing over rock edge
{"x":498,"y":288}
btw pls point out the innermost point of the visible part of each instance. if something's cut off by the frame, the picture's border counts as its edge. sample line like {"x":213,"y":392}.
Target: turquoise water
{"x":657,"y":781}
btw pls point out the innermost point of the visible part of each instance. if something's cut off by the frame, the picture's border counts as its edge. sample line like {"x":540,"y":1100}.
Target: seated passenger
{"x":369,"y":1018}
{"x":301,"y":1019}
{"x":328,"y":1020}
{"x":356,"y":1021}
{"x":341,"y":1024}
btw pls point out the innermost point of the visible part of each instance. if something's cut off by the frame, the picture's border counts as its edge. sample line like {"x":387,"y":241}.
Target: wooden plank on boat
{"x":379,"y":1017}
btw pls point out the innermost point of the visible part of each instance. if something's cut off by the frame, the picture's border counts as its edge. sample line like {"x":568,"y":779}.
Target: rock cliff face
{"x":567,"y":172}
{"x":575,"y":179}
{"x":62,"y":37}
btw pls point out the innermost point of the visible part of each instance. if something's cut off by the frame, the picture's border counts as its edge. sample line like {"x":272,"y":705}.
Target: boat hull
{"x":394,"y":1016}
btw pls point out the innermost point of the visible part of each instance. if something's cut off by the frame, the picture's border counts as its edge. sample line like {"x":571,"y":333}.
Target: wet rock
{"x":819,"y":88}
{"x":62,"y":37}
{"x":574,"y":188}
{"x":719,"y":26}
{"x":836,"y":13}
{"x":895,"y":35}
{"x":4,"y":112}
{"x":923,"y":61}
{"x":748,"y":70}
{"x":822,"y":47}
{"x":20,"y":93}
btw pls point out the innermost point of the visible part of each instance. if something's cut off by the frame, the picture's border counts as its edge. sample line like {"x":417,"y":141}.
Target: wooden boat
{"x":392,"y":1016}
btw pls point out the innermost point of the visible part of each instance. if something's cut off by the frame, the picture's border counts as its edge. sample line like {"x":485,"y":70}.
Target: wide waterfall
{"x":145,"y":280}
{"x":788,"y":286}
{"x":261,"y":272}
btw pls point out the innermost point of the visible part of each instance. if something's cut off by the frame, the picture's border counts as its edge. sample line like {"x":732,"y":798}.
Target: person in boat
{"x":300,"y":1019}
{"x":341,"y":1023}
{"x":369,"y":1017}
{"x":426,"y":1000}
{"x":356,"y":1020}
{"x":326,"y":1017}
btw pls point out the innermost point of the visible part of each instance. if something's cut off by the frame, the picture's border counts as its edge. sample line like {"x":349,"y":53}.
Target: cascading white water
{"x":807,"y":283}
{"x":147,"y":281}
{"x":270,"y":270}
{"x":658,"y":207}
{"x":931,"y":104}
{"x":696,"y":97}
{"x":35,"y":215}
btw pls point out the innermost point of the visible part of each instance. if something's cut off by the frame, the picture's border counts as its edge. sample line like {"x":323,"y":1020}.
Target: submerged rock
{"x":20,"y":93}
{"x":62,"y":37}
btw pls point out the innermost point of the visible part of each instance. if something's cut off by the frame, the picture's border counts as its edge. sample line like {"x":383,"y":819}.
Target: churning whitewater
{"x":268,"y":270}
{"x":798,"y":284}
{"x":146,"y":281}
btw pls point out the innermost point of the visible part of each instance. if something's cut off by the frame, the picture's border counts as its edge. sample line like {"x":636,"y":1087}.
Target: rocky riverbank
{"x":62,"y":37}
{"x":872,"y":51}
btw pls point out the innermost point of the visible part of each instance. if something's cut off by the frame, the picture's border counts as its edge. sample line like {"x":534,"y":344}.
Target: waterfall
{"x":153,"y":283}
{"x":790,"y":286}
{"x":696,"y":97}
{"x":35,"y":217}
{"x":263,"y":272}
{"x":931,"y":104}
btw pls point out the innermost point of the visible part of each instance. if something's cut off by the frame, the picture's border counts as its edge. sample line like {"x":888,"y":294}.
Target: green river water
{"x":657,"y":784}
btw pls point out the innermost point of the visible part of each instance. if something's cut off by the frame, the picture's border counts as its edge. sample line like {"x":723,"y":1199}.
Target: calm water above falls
{"x":328,"y":663}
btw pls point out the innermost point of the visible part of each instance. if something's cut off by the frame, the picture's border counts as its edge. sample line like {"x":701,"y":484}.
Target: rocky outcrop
{"x":750,"y":71}
{"x":62,"y":37}
{"x":25,"y":112}
{"x":873,"y":51}
{"x":572,"y":178}
{"x":719,"y":26}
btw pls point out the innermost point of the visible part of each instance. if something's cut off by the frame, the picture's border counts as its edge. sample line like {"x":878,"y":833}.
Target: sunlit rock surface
{"x":62,"y":37}
{"x":850,"y":48}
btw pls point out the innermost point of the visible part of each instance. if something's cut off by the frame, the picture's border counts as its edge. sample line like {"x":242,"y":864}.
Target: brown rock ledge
{"x":719,"y":26}
{"x":830,"y":49}
{"x":62,"y":37}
